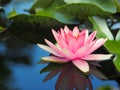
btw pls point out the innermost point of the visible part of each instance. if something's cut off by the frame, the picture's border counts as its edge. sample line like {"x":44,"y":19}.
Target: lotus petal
{"x":94,"y":57}
{"x":83,"y":50}
{"x":98,"y":44}
{"x":75,"y":32}
{"x":55,"y":59}
{"x":91,"y":37}
{"x":82,"y":65}
{"x":48,"y":49}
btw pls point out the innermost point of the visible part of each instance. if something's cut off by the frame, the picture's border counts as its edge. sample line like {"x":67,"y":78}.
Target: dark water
{"x":19,"y":68}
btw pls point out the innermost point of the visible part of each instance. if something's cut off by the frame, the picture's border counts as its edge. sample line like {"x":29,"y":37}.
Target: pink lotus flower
{"x":74,"y":46}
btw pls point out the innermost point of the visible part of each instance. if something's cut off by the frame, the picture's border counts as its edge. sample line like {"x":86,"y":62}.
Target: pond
{"x":20,"y":69}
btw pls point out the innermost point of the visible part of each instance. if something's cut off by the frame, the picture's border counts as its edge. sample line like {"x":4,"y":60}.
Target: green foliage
{"x":116,"y":61}
{"x":105,"y":88}
{"x":33,"y":28}
{"x":88,"y":7}
{"x":117,"y":38}
{"x":11,"y":14}
{"x":41,"y":4}
{"x":47,"y":8}
{"x":54,"y":14}
{"x":1,"y":28}
{"x":112,"y":45}
{"x":75,"y":8}
{"x":117,"y":2}
{"x":101,"y":26}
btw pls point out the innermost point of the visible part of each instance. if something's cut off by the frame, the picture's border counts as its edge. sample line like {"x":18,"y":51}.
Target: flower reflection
{"x":74,"y":46}
{"x":70,"y":77}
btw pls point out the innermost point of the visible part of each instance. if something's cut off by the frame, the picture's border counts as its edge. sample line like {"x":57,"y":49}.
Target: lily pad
{"x":117,"y":62}
{"x":33,"y":28}
{"x":11,"y":14}
{"x":40,"y":3}
{"x":1,"y":28}
{"x":80,"y":8}
{"x":67,"y":19}
{"x":100,"y":25}
{"x":113,"y":46}
{"x":118,"y":36}
{"x":48,"y":8}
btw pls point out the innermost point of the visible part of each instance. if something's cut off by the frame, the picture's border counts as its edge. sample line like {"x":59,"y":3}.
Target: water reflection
{"x":69,"y":77}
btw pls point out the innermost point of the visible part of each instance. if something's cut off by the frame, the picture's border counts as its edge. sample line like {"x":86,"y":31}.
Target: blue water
{"x":20,"y":6}
{"x":29,"y":78}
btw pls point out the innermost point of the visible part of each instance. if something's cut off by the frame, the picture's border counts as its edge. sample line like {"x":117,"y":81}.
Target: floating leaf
{"x":56,"y":15}
{"x":101,"y":26}
{"x":47,"y":8}
{"x":107,"y":87}
{"x":117,"y":2}
{"x":80,"y":8}
{"x":33,"y":28}
{"x":118,"y":36}
{"x":117,"y":62}
{"x":1,"y":28}
{"x":113,"y":46}
{"x":11,"y":14}
{"x":40,"y":3}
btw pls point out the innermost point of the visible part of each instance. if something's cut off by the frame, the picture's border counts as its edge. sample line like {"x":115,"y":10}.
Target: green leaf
{"x":117,"y":2}
{"x":47,"y":8}
{"x":1,"y":28}
{"x":40,"y":3}
{"x":117,"y":38}
{"x":113,"y":46}
{"x":11,"y":14}
{"x":47,"y":4}
{"x":56,"y":15}
{"x":107,"y":87}
{"x":116,"y":62}
{"x":34,"y":28}
{"x":80,"y":8}
{"x":101,"y":26}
